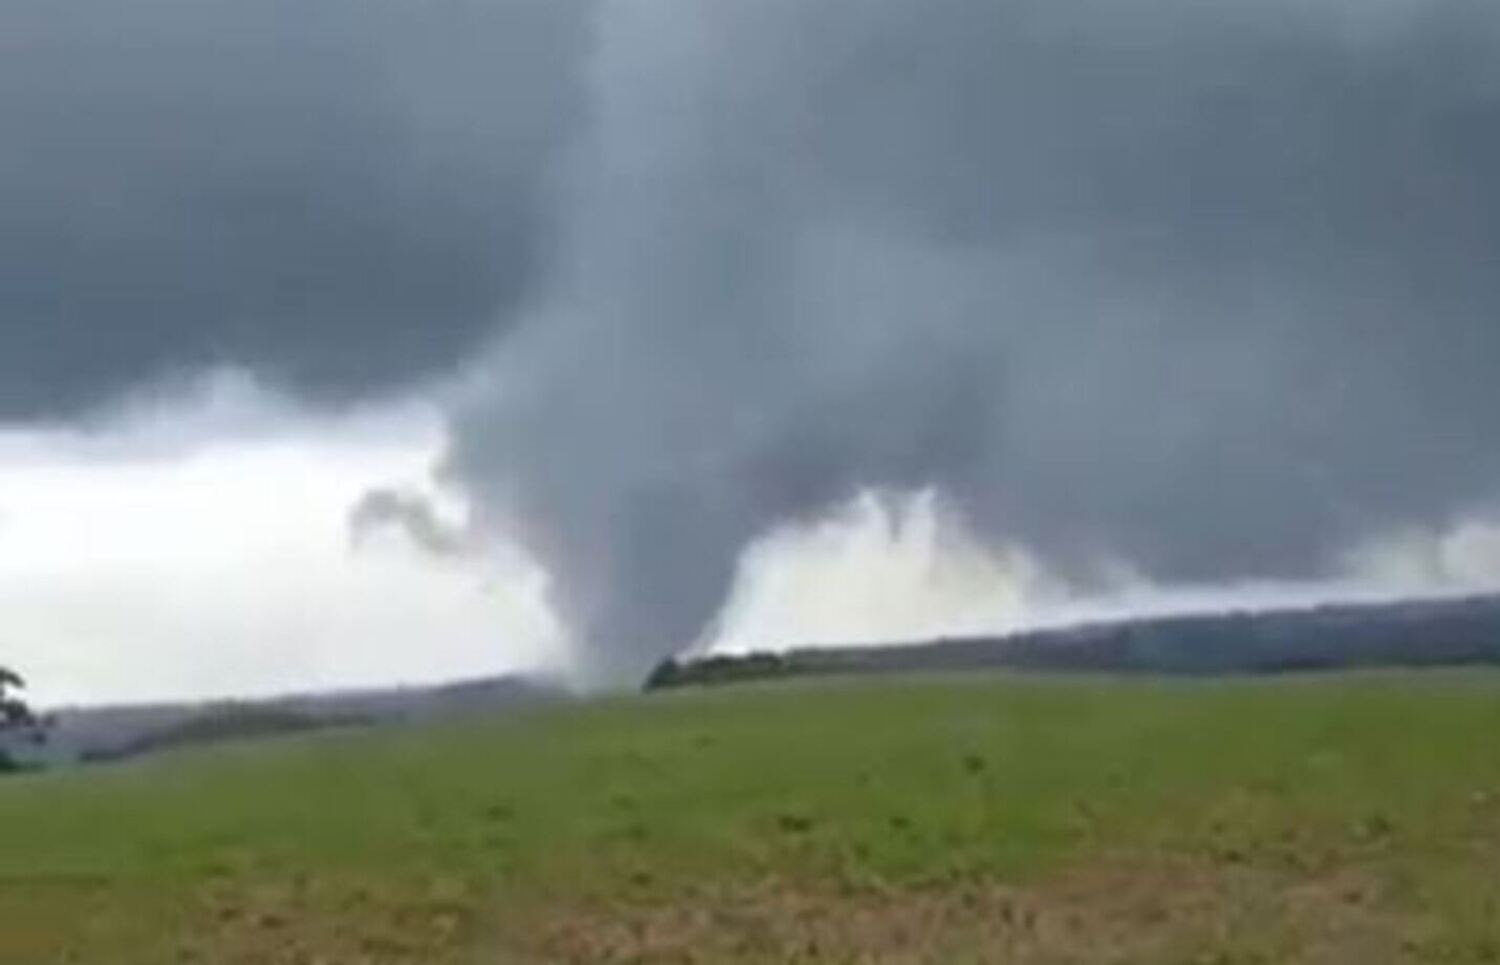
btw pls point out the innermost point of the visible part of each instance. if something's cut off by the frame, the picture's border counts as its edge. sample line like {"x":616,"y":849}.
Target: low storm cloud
{"x":341,"y":195}
{"x":1206,"y":290}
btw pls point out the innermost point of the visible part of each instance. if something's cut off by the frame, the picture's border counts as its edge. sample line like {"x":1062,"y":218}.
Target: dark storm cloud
{"x":342,"y":195}
{"x":411,"y":514}
{"x":1206,"y":287}
{"x":1210,"y":289}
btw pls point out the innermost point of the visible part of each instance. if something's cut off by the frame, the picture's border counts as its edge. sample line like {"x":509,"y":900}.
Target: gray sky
{"x":1202,"y":293}
{"x":346,"y":194}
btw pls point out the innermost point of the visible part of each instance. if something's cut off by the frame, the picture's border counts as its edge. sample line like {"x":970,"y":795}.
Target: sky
{"x":347,"y":342}
{"x":167,"y":556}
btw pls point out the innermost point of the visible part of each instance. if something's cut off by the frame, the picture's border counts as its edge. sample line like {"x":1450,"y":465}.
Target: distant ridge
{"x":99,"y":734}
{"x":1416,"y":633}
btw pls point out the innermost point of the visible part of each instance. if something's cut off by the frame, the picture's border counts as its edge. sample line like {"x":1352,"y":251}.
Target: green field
{"x":993,"y":819}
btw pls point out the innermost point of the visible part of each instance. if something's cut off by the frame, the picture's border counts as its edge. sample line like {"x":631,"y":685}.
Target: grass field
{"x":993,"y":819}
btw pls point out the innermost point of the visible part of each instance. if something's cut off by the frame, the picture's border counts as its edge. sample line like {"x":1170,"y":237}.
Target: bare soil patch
{"x":1117,"y":913}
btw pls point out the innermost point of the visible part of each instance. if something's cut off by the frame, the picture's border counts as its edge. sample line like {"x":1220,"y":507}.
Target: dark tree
{"x":17,"y":722}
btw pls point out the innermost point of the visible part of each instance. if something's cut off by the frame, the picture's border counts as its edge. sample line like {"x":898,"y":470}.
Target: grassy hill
{"x":984,"y":819}
{"x":105,"y":733}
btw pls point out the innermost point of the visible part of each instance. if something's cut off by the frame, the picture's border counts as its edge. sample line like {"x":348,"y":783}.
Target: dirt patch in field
{"x":1153,"y":912}
{"x":335,"y":921}
{"x":1123,"y":913}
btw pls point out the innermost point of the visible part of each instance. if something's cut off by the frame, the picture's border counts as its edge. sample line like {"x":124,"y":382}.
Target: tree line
{"x":1434,"y":633}
{"x":18,"y":724}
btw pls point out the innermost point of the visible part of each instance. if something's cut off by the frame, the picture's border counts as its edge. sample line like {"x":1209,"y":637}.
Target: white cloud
{"x":899,"y":568}
{"x":138,"y":561}
{"x":885,"y":567}
{"x":1461,"y":558}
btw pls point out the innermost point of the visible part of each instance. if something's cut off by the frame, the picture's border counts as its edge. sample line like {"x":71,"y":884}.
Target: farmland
{"x":984,"y":818}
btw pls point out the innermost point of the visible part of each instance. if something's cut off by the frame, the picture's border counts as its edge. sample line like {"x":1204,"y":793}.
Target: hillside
{"x":106,"y":733}
{"x":1032,"y":820}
